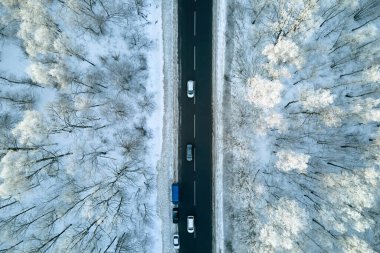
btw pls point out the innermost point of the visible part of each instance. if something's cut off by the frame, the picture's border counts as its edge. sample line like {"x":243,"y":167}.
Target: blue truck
{"x":175,"y":193}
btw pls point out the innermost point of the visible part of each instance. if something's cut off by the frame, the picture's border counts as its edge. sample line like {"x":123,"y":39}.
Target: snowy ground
{"x":167,"y":167}
{"x":219,"y":29}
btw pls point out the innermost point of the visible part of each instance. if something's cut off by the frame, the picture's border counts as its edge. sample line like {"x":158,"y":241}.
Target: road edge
{"x":218,"y":47}
{"x":167,"y":172}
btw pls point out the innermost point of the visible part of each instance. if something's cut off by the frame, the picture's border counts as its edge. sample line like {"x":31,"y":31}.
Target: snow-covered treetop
{"x":367,"y":109}
{"x":12,"y":174}
{"x":275,"y":120}
{"x":32,"y":129}
{"x":289,"y":160}
{"x":286,"y":220}
{"x":281,"y":56}
{"x":314,"y":100}
{"x":263,"y":93}
{"x":332,"y":116}
{"x":284,"y":52}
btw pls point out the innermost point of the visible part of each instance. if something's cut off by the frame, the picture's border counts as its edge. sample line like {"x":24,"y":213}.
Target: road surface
{"x":195,"y":178}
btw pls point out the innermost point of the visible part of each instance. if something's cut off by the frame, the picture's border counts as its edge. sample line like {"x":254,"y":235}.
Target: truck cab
{"x":175,"y":193}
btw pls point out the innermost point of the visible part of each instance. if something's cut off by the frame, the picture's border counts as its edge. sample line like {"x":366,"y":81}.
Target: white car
{"x":176,"y":241}
{"x":190,"y":88}
{"x":190,"y":224}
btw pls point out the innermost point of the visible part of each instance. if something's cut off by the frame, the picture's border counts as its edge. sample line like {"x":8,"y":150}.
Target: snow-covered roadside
{"x":219,"y":21}
{"x":156,"y":82}
{"x":167,"y":165}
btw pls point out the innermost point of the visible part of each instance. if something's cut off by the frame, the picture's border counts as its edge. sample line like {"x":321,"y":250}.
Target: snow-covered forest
{"x":78,"y":95}
{"x":302,"y":117}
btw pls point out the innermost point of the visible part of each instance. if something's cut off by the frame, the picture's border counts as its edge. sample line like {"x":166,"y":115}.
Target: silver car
{"x":189,"y":152}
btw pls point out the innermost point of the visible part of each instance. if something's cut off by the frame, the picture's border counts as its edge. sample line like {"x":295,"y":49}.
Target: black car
{"x":175,"y":215}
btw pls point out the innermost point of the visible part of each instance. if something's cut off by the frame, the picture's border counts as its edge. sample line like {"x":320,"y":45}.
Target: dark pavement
{"x":195,"y":178}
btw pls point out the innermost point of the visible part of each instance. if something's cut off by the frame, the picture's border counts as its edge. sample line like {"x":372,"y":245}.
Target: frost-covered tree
{"x":37,"y":28}
{"x":307,"y":131}
{"x":263,"y":93}
{"x":289,"y":160}
{"x":314,"y":100}
{"x":31,"y":130}
{"x":74,"y":169}
{"x":283,"y":229}
{"x":280,"y":55}
{"x":94,"y":16}
{"x":23,"y":100}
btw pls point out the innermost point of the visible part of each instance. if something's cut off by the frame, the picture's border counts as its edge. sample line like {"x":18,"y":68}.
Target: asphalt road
{"x":195,"y":178}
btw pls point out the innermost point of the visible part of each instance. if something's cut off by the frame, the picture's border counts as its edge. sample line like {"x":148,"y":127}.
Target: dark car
{"x":189,"y":152}
{"x":175,"y":215}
